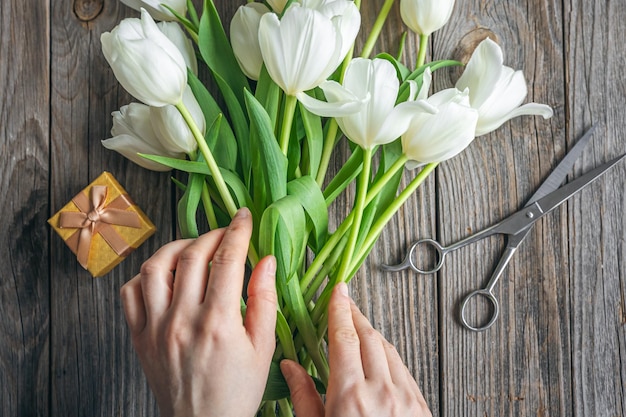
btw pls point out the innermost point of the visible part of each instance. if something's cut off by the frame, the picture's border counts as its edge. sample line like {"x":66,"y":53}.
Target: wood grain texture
{"x":24,"y":172}
{"x":558,"y":348}
{"x":94,"y":369}
{"x":596,"y":220}
{"x":521,"y":366}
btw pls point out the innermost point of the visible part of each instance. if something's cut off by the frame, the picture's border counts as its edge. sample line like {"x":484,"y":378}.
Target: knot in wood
{"x":87,"y":10}
{"x":468,"y":43}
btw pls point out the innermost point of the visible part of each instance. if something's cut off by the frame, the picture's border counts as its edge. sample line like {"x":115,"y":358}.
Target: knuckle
{"x":346,"y":336}
{"x":226,"y":255}
{"x":266,"y":296}
{"x":371,"y":334}
{"x":191,"y":254}
{"x":149,"y":268}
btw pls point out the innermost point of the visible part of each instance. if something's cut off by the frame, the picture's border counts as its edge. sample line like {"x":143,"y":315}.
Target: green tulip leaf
{"x":417,"y":75}
{"x":224,"y":146}
{"x":188,"y":206}
{"x":268,"y":94}
{"x":269,"y":165}
{"x":217,"y":52}
{"x":314,"y":140}
{"x":308,"y":193}
{"x":348,"y":172}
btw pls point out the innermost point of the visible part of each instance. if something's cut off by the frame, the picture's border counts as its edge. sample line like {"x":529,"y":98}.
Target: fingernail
{"x":343,"y":288}
{"x":286,"y":368}
{"x":242,"y":213}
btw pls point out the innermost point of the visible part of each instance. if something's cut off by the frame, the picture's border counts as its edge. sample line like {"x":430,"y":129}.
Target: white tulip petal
{"x":301,"y":50}
{"x":145,"y":62}
{"x":130,"y":146}
{"x":530,"y":109}
{"x":427,"y":79}
{"x":326,"y":109}
{"x":482,"y":72}
{"x":175,"y":34}
{"x":244,"y":37}
{"x":172,"y":130}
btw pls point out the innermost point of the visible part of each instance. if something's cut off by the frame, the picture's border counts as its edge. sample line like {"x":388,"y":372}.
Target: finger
{"x":372,"y":349}
{"x":157,"y":278}
{"x":225,"y":285}
{"x":134,"y":308}
{"x":344,"y":350}
{"x":192,"y":269}
{"x":260,"y":320}
{"x":306,"y":400}
{"x":399,"y":373}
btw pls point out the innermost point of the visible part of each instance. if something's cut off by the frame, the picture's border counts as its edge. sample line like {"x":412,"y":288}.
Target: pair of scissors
{"x":515,"y":227}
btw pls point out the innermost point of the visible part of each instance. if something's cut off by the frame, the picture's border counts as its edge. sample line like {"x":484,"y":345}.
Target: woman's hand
{"x":367,"y":376}
{"x":183,"y":310}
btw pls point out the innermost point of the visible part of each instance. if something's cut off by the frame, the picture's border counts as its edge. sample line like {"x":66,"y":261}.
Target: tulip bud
{"x":244,"y":37}
{"x":156,"y":10}
{"x":133,"y":133}
{"x":435,"y":137}
{"x":172,"y":130}
{"x":175,"y":34}
{"x":495,"y":90}
{"x":145,"y":62}
{"x":425,"y":16}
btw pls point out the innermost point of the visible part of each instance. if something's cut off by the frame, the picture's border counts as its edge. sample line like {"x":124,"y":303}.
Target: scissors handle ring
{"x":441,"y":254}
{"x":496,"y":309}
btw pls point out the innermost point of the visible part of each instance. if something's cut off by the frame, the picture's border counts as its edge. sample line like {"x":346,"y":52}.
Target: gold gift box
{"x":101,"y":256}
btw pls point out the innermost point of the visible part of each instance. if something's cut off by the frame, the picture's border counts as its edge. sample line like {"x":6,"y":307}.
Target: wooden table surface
{"x":559,"y":346}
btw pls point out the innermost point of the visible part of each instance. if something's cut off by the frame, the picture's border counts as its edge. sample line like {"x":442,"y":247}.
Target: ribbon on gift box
{"x":96,"y":216}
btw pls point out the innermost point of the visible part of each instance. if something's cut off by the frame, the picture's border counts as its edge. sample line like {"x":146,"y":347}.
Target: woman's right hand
{"x":367,"y":376}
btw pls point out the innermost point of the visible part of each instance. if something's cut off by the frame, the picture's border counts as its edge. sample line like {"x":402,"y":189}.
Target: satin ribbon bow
{"x":96,"y":216}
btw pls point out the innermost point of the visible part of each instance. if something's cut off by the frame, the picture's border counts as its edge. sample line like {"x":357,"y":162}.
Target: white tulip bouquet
{"x":292,"y":90}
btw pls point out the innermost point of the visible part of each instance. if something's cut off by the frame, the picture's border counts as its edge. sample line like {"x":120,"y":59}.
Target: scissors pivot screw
{"x":530,"y":215}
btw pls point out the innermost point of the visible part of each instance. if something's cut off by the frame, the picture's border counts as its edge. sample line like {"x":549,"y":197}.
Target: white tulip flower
{"x":495,"y":90}
{"x":375,"y":85}
{"x":244,"y":37}
{"x":133,"y":133}
{"x":145,"y":62}
{"x":175,"y":33}
{"x":156,"y":10}
{"x":345,"y":13}
{"x":172,"y":130}
{"x":442,"y":135}
{"x":425,"y":16}
{"x":302,"y":49}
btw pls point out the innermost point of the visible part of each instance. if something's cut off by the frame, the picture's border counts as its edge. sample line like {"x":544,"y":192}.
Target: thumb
{"x":306,"y":401}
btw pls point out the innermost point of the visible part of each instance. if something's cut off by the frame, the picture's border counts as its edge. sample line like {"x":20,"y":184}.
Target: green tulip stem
{"x":359,"y":207}
{"x":318,"y":314}
{"x":285,"y":130}
{"x":384,"y":218}
{"x":231,"y":207}
{"x":206,"y":199}
{"x":330,"y":244}
{"x":421,"y":55}
{"x":376,"y":29}
{"x":327,"y":151}
{"x":284,"y":408}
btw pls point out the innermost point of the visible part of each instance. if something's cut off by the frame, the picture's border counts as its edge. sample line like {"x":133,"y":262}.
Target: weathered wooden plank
{"x":24,"y":149}
{"x":521,"y":366}
{"x":402,"y":306}
{"x":596,"y":220}
{"x":95,"y":371}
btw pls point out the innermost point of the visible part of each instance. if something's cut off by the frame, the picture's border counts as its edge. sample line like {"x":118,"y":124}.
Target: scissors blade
{"x":556,"y":178}
{"x":558,"y":197}
{"x":518,"y":224}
